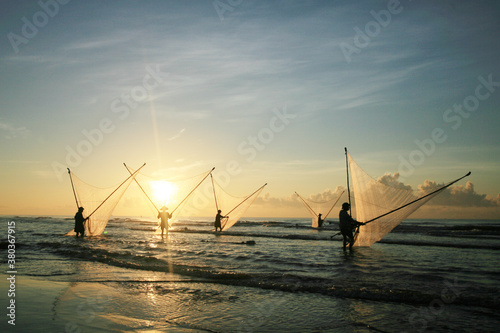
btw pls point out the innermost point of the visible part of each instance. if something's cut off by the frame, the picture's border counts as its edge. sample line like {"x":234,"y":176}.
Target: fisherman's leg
{"x":351,"y":241}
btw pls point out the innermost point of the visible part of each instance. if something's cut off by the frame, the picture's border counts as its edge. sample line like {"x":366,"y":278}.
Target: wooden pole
{"x":116,"y":189}
{"x":348,"y":188}
{"x":73,"y":187}
{"x":147,"y":196}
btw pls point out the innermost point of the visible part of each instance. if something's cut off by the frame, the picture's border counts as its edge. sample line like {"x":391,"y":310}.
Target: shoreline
{"x":52,"y":306}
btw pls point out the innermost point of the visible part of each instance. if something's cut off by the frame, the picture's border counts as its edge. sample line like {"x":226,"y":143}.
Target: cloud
{"x":391,"y":179}
{"x":458,"y":195}
{"x":176,"y":136}
{"x":267,"y":199}
{"x":459,"y":201}
{"x":454,"y":196}
{"x":293,"y":201}
{"x":11,"y":132}
{"x":327,"y":195}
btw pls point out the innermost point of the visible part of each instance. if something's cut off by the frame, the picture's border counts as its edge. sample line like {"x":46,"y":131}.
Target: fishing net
{"x":373,"y":198}
{"x":172,"y":193}
{"x":231,"y":206}
{"x":98,"y":203}
{"x":319,"y":207}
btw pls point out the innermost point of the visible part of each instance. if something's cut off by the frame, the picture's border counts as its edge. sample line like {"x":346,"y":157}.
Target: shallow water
{"x":438,"y":275}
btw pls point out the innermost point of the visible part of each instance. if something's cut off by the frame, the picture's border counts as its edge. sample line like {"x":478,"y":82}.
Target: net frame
{"x":100,"y":202}
{"x":317,"y":207}
{"x":231,"y":206}
{"x":186,"y":189}
{"x":381,"y":206}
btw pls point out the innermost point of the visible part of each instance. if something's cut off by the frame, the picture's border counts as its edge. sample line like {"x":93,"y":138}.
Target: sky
{"x":265,"y":92}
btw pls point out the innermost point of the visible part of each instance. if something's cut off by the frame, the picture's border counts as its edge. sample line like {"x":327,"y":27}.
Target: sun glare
{"x":164,"y":192}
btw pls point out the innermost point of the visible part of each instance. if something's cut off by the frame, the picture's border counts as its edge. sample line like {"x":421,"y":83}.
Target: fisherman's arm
{"x":356,"y":223}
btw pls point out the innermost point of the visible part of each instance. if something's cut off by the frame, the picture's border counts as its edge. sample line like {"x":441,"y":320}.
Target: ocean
{"x":262,"y":275}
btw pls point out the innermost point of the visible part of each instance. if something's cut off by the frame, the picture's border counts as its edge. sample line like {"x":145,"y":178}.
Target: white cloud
{"x":10,"y":131}
{"x":455,"y":195}
{"x":177,"y":135}
{"x":458,"y":195}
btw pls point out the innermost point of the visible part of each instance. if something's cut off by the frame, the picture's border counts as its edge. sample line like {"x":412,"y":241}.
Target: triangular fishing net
{"x":373,"y":198}
{"x":319,"y":207}
{"x":97,"y":202}
{"x":172,"y":193}
{"x":231,"y":206}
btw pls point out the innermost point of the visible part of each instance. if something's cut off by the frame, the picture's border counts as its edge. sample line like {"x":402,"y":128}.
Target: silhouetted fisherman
{"x":217,"y":222}
{"x":347,"y":225}
{"x":164,"y":215}
{"x":320,"y":221}
{"x":80,"y":222}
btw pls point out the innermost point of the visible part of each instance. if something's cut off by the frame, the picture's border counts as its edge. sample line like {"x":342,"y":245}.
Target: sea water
{"x":262,"y":275}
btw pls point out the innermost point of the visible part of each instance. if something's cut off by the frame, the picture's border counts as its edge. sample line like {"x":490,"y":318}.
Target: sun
{"x":164,"y":192}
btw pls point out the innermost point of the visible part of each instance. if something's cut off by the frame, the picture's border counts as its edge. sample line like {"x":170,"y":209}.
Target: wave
{"x":336,"y":237}
{"x":49,"y":274}
{"x":441,"y":244}
{"x":410,"y":227}
{"x":249,"y":234}
{"x":289,"y":282}
{"x":144,"y":228}
{"x":296,"y":266}
{"x":4,"y":245}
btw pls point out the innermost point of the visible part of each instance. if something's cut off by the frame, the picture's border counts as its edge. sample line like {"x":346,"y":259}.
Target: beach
{"x":262,"y":275}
